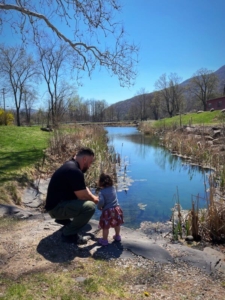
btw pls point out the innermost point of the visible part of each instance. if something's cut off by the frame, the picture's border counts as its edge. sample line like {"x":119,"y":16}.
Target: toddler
{"x":112,"y":214}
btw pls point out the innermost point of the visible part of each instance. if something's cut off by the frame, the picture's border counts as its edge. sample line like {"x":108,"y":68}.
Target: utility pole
{"x":3,"y":97}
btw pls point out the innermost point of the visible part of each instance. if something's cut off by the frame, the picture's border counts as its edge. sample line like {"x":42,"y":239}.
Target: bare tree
{"x":79,"y":24}
{"x":101,"y":106}
{"x":18,"y":69}
{"x":142,"y":101}
{"x":133,"y":112}
{"x":97,"y":109}
{"x":54,"y":61}
{"x":30,"y":96}
{"x":84,"y":110}
{"x":170,"y":92}
{"x":203,"y":86}
{"x":79,"y":109}
{"x":109,"y":113}
{"x":74,"y":108}
{"x":40,"y":117}
{"x":155,"y":105}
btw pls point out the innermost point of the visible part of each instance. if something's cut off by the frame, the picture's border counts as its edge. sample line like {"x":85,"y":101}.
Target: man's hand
{"x":95,"y":199}
{"x":86,"y":195}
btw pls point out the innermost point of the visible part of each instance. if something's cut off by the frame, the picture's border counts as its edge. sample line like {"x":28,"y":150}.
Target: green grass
{"x":204,"y":118}
{"x":20,"y":147}
{"x":101,"y":281}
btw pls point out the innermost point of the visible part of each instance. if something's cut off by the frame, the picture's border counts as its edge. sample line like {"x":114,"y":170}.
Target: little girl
{"x":112,"y":214}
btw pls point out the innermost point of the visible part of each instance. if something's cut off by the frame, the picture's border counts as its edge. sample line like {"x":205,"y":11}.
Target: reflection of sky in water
{"x":155,"y":178}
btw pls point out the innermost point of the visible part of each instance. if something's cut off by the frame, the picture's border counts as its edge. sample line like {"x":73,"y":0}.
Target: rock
{"x":216,"y":128}
{"x":197,"y":137}
{"x":42,"y":185}
{"x":35,"y":197}
{"x":208,"y":138}
{"x":220,"y":258}
{"x":32,"y":198}
{"x":14,"y":211}
{"x":209,"y":143}
{"x":216,"y":134}
{"x":80,"y":279}
{"x":219,"y":141}
{"x":46,"y":129}
{"x":189,"y":238}
{"x":190,"y":129}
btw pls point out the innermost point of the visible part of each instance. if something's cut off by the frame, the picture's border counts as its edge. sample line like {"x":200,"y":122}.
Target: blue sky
{"x":178,"y":36}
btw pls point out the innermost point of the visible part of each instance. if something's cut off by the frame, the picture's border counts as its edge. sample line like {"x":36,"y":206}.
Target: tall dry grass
{"x":208,"y":224}
{"x":64,"y":144}
{"x":212,"y":226}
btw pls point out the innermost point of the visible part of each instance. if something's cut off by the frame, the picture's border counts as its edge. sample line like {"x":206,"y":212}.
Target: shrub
{"x":6,"y":118}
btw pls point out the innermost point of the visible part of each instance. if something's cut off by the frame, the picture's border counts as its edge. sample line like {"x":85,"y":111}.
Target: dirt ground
{"x":35,"y":245}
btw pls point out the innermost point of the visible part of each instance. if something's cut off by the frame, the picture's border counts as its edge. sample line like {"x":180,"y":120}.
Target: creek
{"x":151,"y":180}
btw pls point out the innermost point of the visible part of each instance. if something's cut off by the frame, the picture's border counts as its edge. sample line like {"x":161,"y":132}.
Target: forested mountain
{"x":142,"y":106}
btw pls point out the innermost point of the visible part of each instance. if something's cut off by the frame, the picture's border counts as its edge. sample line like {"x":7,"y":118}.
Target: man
{"x":69,"y":198}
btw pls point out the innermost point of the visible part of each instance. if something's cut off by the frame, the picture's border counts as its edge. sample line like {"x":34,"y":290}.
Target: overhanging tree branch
{"x":96,"y":18}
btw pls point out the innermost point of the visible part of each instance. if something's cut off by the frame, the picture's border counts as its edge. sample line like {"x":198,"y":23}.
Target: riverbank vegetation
{"x":197,"y":118}
{"x":28,"y":154}
{"x":198,"y":138}
{"x":21,"y":148}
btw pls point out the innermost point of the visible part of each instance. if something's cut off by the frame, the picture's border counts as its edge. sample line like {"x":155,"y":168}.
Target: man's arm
{"x":86,"y":195}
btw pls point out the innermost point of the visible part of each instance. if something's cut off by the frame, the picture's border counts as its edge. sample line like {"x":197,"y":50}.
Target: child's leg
{"x":105,"y":233}
{"x":117,"y":236}
{"x":117,"y":230}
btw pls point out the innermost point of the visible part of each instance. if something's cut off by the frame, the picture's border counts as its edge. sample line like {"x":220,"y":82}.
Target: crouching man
{"x":68,"y":199}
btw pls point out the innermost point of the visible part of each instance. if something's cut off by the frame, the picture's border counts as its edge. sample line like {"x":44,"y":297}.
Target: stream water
{"x":151,"y":180}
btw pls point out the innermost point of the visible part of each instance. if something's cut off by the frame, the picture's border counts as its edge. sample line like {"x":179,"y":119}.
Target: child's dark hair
{"x":105,"y":180}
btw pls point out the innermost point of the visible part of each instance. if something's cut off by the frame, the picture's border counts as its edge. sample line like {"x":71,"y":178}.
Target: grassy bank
{"x":206,"y":118}
{"x":20,"y":147}
{"x":27,"y":154}
{"x":202,"y":118}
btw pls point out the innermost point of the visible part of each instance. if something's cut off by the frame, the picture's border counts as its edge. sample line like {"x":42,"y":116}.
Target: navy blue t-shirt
{"x":64,"y":182}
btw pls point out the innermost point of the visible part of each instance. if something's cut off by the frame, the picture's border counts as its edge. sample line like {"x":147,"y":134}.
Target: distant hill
{"x":221,"y":75}
{"x":122,"y":107}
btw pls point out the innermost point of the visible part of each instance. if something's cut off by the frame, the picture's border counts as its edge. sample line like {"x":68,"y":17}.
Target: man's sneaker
{"x":117,"y":238}
{"x":74,"y":239}
{"x":63,"y":222}
{"x":103,"y":242}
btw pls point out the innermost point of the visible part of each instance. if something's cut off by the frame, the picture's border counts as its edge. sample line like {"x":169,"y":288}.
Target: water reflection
{"x":150,"y":179}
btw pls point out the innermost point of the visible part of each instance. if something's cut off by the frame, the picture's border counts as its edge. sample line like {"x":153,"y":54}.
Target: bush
{"x":6,"y":118}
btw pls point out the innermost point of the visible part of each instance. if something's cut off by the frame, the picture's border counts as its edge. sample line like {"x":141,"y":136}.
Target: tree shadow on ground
{"x":12,"y":162}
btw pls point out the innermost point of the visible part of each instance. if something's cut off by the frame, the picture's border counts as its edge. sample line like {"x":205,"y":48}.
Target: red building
{"x":216,"y":104}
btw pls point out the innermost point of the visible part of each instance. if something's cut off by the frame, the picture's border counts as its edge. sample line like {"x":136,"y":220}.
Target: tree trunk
{"x":18,"y":116}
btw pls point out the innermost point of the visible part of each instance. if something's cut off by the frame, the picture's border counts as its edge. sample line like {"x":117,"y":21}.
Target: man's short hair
{"x":85,"y":151}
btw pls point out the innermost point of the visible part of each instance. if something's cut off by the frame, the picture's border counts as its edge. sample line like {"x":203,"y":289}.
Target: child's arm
{"x":101,"y":201}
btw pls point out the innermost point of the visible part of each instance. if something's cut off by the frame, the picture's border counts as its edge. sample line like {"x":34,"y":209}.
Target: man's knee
{"x":90,"y":206}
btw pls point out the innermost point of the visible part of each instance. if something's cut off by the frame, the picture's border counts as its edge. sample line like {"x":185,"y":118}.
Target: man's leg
{"x":63,"y":222}
{"x":78,"y":210}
